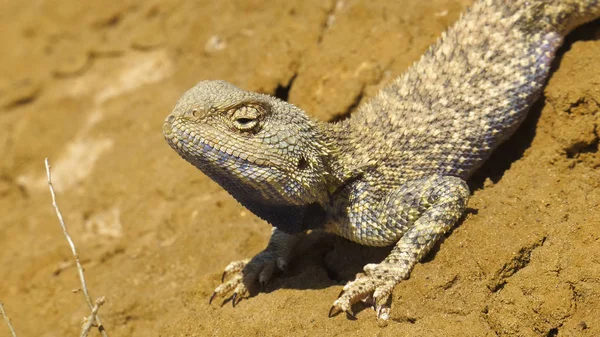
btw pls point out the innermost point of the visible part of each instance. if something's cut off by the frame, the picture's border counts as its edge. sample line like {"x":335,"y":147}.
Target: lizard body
{"x":393,"y":173}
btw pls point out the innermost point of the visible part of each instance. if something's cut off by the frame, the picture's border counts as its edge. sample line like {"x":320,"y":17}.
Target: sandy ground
{"x":88,"y":85}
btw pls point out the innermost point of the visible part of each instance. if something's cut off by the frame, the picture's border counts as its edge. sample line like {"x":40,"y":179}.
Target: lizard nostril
{"x":168,"y":125}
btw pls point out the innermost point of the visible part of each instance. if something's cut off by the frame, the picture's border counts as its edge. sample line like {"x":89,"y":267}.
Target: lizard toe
{"x":353,"y":292}
{"x":240,"y":293}
{"x":383,"y":312}
{"x":234,"y":267}
{"x":374,"y":287}
{"x":225,"y":288}
{"x":246,"y":273}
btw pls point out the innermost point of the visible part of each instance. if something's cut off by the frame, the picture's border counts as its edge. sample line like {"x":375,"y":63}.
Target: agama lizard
{"x":394,"y":172}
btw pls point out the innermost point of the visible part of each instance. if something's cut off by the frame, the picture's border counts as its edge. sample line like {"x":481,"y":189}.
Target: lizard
{"x":393,"y":173}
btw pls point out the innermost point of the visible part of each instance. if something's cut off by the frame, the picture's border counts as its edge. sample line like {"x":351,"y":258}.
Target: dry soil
{"x":88,"y":84}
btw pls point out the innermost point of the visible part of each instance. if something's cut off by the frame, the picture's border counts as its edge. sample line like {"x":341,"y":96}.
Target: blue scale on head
{"x":240,"y":168}
{"x":243,"y":168}
{"x":223,"y":157}
{"x":289,"y":189}
{"x":271,"y":188}
{"x":292,"y":187}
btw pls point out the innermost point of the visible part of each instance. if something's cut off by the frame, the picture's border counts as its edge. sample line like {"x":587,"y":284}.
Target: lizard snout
{"x":168,"y":125}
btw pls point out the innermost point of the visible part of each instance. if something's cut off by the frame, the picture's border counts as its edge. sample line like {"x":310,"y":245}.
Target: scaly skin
{"x":393,"y":173}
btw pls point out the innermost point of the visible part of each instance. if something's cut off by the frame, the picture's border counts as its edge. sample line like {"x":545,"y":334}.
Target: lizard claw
{"x":212,"y":297}
{"x":244,"y":274}
{"x":374,"y":287}
{"x":336,"y":310}
{"x":333,"y":311}
{"x":235,"y":284}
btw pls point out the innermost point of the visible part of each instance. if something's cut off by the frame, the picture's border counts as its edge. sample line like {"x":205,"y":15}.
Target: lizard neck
{"x":342,"y":163}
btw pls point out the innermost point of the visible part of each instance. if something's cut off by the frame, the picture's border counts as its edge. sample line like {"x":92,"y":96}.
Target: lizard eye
{"x":244,"y":122}
{"x":245,"y":118}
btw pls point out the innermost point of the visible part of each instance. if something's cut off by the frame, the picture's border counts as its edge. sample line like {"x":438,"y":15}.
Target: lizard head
{"x":265,"y":152}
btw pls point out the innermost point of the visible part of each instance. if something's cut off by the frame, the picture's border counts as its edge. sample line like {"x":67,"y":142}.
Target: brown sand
{"x":89,"y":86}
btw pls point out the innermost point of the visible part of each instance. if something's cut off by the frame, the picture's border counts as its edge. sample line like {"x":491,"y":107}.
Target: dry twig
{"x":89,"y":321}
{"x":7,"y":320}
{"x":74,"y":251}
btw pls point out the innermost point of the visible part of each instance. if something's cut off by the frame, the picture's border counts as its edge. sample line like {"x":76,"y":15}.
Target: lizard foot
{"x":245,"y":274}
{"x":235,"y":283}
{"x":374,"y":287}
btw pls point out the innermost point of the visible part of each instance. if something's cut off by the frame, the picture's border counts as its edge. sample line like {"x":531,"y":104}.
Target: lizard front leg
{"x":243,"y":274}
{"x":425,"y":209}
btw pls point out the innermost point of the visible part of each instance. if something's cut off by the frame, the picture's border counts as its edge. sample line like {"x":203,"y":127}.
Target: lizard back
{"x":468,"y":93}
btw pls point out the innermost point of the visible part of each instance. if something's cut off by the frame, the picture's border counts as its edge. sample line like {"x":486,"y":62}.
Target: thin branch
{"x":92,"y":317}
{"x":7,"y":320}
{"x":73,"y":250}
